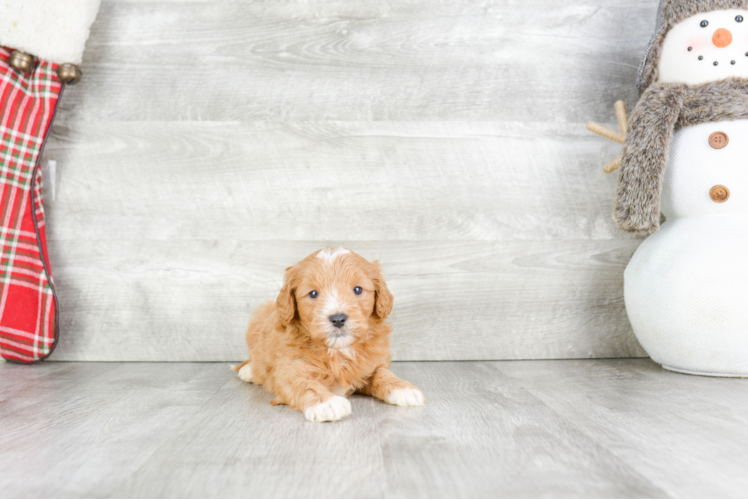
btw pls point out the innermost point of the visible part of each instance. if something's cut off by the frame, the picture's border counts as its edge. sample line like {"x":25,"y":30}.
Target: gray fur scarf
{"x":663,"y":109}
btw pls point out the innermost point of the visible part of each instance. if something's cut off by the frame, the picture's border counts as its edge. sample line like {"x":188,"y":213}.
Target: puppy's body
{"x":279,"y":357}
{"x":326,"y":337}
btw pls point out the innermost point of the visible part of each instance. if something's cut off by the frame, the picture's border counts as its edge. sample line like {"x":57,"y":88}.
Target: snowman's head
{"x":713,"y":31}
{"x":705,"y":48}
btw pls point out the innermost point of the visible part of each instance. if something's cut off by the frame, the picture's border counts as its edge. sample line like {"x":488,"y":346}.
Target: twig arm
{"x":612,"y":166}
{"x":619,"y":137}
{"x":623,"y":117}
{"x":606,"y":132}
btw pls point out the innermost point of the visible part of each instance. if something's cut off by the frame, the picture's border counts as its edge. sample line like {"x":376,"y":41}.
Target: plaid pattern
{"x":28,"y":323}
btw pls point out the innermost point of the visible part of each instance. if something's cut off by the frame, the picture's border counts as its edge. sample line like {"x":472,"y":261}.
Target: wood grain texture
{"x":72,"y":430}
{"x":191,"y":300}
{"x":331,"y":181}
{"x":487,"y":436}
{"x":580,"y":429}
{"x":486,"y":60}
{"x":626,"y":399}
{"x":213,"y":143}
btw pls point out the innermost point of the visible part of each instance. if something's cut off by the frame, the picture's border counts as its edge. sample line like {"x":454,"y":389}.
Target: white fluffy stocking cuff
{"x":54,"y":30}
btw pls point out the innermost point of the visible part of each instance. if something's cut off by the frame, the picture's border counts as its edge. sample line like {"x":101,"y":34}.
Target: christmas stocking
{"x":41,"y":44}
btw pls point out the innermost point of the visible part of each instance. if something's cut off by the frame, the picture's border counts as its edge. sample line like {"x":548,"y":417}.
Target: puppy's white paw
{"x":245,"y":373}
{"x":335,"y":408}
{"x":406,"y":397}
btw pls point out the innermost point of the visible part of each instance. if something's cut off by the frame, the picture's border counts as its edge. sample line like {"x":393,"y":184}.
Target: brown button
{"x":719,"y":194}
{"x":718,"y":140}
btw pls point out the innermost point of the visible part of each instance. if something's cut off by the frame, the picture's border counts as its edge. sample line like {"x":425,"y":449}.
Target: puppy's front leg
{"x":386,"y":386}
{"x":299,"y":390}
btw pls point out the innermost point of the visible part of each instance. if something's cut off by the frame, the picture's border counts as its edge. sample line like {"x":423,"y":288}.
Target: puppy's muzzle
{"x":338,"y":320}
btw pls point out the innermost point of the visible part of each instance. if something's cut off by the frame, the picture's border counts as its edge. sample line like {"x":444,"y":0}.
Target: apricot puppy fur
{"x":326,"y":337}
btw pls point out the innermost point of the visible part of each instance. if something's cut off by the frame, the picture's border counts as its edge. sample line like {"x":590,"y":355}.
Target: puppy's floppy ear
{"x":383,"y":297}
{"x":285,"y":304}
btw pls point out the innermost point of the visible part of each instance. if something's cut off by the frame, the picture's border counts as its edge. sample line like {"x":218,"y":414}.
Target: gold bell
{"x":21,"y":61}
{"x":69,"y":74}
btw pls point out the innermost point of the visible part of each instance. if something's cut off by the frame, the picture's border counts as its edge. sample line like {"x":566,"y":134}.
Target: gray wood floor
{"x":593,"y":428}
{"x":213,"y":143}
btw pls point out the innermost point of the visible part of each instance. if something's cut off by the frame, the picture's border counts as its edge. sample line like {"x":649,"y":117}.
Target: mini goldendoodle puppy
{"x":326,"y":337}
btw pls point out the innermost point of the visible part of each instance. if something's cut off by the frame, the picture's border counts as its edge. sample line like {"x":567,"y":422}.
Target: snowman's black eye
{"x":739,"y":19}
{"x":358,"y":290}
{"x":704,"y":24}
{"x":314,"y":294}
{"x":690,"y":49}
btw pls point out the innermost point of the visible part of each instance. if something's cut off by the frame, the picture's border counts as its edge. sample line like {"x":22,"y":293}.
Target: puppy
{"x":326,"y":337}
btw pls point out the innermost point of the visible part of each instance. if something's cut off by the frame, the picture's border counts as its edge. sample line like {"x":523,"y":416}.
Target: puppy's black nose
{"x":338,"y":320}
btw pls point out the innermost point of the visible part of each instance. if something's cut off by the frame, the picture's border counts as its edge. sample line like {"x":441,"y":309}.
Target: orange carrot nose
{"x":722,"y":38}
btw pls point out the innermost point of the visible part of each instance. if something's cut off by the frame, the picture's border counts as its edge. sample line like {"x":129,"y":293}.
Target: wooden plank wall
{"x":213,"y":143}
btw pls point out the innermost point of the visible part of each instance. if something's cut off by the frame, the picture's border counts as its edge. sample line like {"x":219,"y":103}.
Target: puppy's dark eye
{"x":739,"y":19}
{"x":358,"y":290}
{"x":704,"y":24}
{"x":313,"y":294}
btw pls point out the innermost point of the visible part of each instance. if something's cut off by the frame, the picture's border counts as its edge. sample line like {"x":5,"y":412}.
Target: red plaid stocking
{"x":28,"y":305}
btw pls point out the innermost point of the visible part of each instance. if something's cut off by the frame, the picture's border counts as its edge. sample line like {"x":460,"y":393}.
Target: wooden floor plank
{"x":653,"y":420}
{"x":592,"y":428}
{"x":75,"y":430}
{"x":482,"y":434}
{"x":240,"y":445}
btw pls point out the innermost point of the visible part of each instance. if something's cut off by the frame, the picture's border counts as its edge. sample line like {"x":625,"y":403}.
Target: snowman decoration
{"x":685,"y":157}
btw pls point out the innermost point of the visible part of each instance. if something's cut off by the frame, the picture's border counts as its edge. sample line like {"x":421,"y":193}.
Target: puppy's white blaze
{"x":245,"y":373}
{"x":406,"y":397}
{"x":335,"y":408}
{"x":332,"y":305}
{"x":329,"y":254}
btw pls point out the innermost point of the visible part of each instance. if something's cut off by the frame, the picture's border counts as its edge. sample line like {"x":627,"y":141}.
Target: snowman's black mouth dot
{"x":716,"y":63}
{"x":690,"y":49}
{"x":701,"y":58}
{"x":732,"y":62}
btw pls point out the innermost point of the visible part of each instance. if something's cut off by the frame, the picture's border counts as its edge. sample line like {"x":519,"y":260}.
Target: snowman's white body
{"x":686,"y":287}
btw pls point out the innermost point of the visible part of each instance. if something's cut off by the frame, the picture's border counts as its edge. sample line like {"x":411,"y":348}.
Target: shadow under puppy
{"x":326,"y":337}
